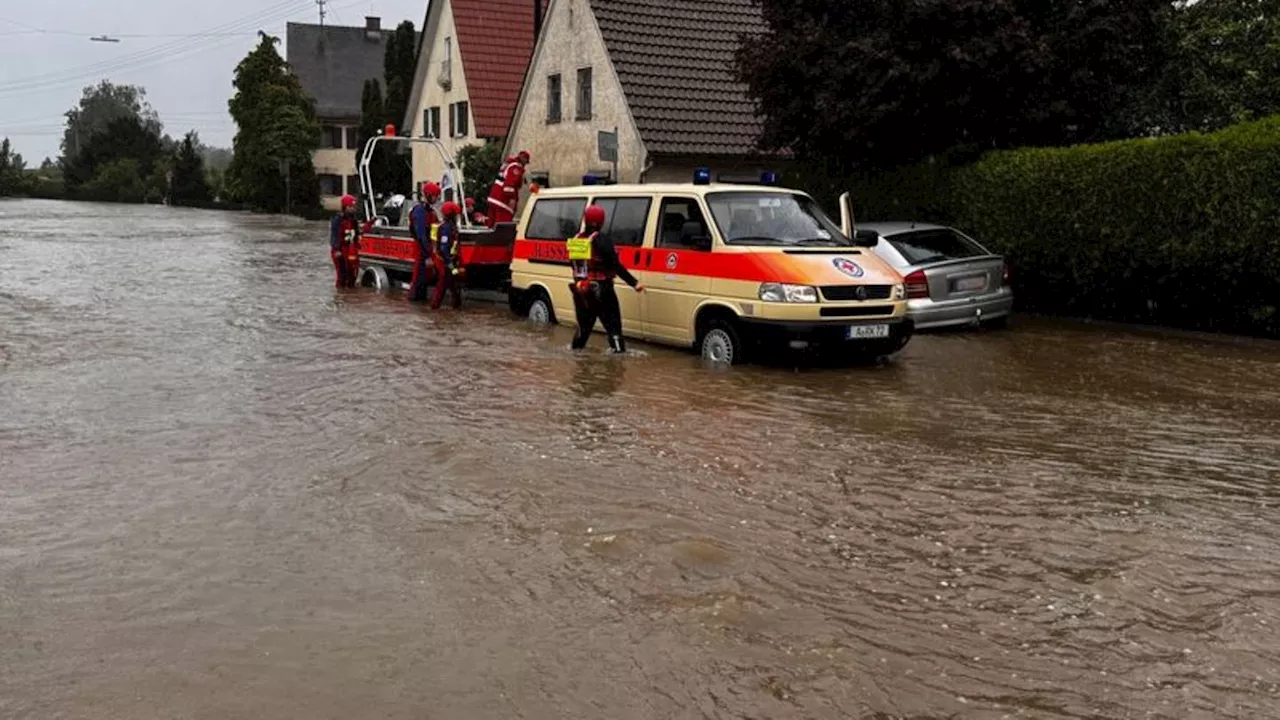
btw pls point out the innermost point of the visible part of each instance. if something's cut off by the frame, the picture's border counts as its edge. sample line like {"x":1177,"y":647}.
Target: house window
{"x":431,"y":122}
{"x":553,"y":98}
{"x":353,"y":185}
{"x":459,"y":114}
{"x":331,"y":137}
{"x":584,"y":94}
{"x":330,"y":185}
{"x":351,"y":139}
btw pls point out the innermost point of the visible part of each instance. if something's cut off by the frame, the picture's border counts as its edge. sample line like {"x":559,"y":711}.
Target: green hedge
{"x":1181,"y":231}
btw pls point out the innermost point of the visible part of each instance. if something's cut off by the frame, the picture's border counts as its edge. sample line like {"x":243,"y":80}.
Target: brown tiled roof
{"x":675,"y":60}
{"x":495,"y":39}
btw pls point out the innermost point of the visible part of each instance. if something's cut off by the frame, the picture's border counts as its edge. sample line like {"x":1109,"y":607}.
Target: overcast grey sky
{"x":46,"y":57}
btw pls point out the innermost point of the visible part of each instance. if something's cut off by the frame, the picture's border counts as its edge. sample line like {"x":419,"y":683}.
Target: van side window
{"x":627,"y":221}
{"x":555,"y":219}
{"x":682,"y":222}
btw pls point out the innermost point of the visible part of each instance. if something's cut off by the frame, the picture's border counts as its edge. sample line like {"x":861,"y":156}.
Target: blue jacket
{"x":448,"y":240}
{"x":420,"y":226}
{"x":335,"y":232}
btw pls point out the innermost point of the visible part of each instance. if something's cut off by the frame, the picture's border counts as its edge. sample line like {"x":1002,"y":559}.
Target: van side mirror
{"x":866,"y":238}
{"x":702,"y":242}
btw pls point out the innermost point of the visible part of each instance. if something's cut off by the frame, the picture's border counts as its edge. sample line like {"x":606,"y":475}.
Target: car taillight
{"x":917,"y":285}
{"x":1007,"y":278}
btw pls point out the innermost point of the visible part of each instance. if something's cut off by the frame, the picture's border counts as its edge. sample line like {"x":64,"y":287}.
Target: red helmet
{"x":523,"y":157}
{"x":471,"y":203}
{"x":430,"y":190}
{"x":348,"y":201}
{"x":450,"y":209}
{"x":594,"y":216}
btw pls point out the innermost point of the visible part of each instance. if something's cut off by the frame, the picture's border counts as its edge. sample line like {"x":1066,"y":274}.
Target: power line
{"x":73,"y":33}
{"x":164,"y":52}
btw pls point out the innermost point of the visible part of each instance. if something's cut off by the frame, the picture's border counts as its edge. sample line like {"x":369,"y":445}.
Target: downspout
{"x":644,"y":172}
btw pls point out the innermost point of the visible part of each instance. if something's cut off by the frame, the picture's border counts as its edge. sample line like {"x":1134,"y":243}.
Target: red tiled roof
{"x":495,"y":39}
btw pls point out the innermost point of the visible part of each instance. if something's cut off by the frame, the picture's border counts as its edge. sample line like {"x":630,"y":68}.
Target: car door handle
{"x":648,"y":258}
{"x":636,"y":260}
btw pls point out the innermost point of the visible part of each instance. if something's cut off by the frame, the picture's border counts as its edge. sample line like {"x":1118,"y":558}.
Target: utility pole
{"x":322,"y":12}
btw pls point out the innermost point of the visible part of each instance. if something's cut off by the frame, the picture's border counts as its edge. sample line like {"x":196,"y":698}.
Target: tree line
{"x":114,"y":149}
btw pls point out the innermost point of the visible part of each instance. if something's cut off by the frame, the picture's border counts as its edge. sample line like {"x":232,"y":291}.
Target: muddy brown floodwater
{"x":229,"y":491}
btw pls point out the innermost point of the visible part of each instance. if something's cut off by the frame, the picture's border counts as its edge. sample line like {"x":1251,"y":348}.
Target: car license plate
{"x":965,"y":284}
{"x":865,"y":332}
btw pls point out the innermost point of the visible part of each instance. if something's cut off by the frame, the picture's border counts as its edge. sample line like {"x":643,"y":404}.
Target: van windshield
{"x":764,"y":218}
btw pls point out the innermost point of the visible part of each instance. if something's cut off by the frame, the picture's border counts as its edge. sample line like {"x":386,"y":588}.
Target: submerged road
{"x":230,"y":491}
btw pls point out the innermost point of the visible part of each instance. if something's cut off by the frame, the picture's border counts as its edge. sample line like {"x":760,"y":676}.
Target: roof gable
{"x":333,"y":63}
{"x":675,"y":61}
{"x":495,"y":41}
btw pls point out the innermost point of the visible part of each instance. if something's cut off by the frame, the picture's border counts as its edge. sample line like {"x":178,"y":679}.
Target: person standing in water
{"x":595,"y":264}
{"x":344,"y":244}
{"x":447,"y":257}
{"x":423,"y":224}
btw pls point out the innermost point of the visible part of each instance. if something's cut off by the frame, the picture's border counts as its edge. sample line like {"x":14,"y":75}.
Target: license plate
{"x":864,"y":332}
{"x":977,"y":282}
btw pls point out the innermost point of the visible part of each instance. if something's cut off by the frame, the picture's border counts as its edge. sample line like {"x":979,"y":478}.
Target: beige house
{"x":333,"y":63}
{"x":471,"y":65}
{"x":660,"y":71}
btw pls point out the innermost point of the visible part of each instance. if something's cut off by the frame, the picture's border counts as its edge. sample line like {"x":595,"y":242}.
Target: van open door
{"x":846,"y":215}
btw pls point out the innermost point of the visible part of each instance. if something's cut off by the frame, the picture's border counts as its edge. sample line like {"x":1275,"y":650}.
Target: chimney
{"x":373,"y":27}
{"x":537,"y":20}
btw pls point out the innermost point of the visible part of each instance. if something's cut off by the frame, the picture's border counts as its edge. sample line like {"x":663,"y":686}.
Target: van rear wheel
{"x":721,"y":343}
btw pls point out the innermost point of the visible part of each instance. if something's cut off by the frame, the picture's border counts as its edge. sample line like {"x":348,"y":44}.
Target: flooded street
{"x":229,"y":491}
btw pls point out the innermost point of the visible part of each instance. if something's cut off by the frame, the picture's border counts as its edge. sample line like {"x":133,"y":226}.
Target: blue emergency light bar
{"x":768,"y":178}
{"x":702,"y":176}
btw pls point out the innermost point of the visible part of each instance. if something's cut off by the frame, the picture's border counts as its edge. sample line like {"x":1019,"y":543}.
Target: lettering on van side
{"x":556,"y":253}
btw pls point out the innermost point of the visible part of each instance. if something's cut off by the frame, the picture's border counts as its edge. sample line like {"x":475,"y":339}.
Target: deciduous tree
{"x":882,"y":82}
{"x":101,"y":104}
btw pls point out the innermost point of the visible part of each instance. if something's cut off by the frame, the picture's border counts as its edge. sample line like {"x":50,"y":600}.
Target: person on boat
{"x":476,"y":218}
{"x":504,"y":195}
{"x":344,"y":243}
{"x":595,"y":264}
{"x":447,"y":257}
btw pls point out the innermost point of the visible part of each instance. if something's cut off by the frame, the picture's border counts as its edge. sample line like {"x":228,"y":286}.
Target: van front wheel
{"x":721,"y":344}
{"x":540,"y":309}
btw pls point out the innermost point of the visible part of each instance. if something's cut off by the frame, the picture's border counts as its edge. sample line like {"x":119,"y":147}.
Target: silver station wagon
{"x":951,"y":279}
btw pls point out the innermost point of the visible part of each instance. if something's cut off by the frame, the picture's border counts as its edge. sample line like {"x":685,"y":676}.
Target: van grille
{"x":849,"y":293}
{"x":856,"y":311}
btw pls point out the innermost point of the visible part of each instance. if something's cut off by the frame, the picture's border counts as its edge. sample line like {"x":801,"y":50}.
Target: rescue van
{"x":726,"y":268}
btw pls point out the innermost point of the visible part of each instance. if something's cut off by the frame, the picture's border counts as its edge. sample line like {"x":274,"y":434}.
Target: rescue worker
{"x":505,"y":193}
{"x":476,"y":218}
{"x":595,"y":264}
{"x":422,"y":227}
{"x":447,"y":257}
{"x":344,"y":244}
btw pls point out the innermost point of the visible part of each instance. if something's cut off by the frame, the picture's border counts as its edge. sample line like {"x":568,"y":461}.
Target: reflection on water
{"x":230,"y":491}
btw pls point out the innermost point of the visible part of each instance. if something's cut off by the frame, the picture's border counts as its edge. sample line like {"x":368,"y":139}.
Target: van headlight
{"x":782,"y":292}
{"x":899,"y":292}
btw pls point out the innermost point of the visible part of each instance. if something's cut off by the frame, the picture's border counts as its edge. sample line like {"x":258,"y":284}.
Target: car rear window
{"x":935,"y":245}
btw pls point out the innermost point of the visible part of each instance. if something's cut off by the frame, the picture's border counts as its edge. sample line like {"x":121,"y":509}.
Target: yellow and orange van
{"x":726,"y":268}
